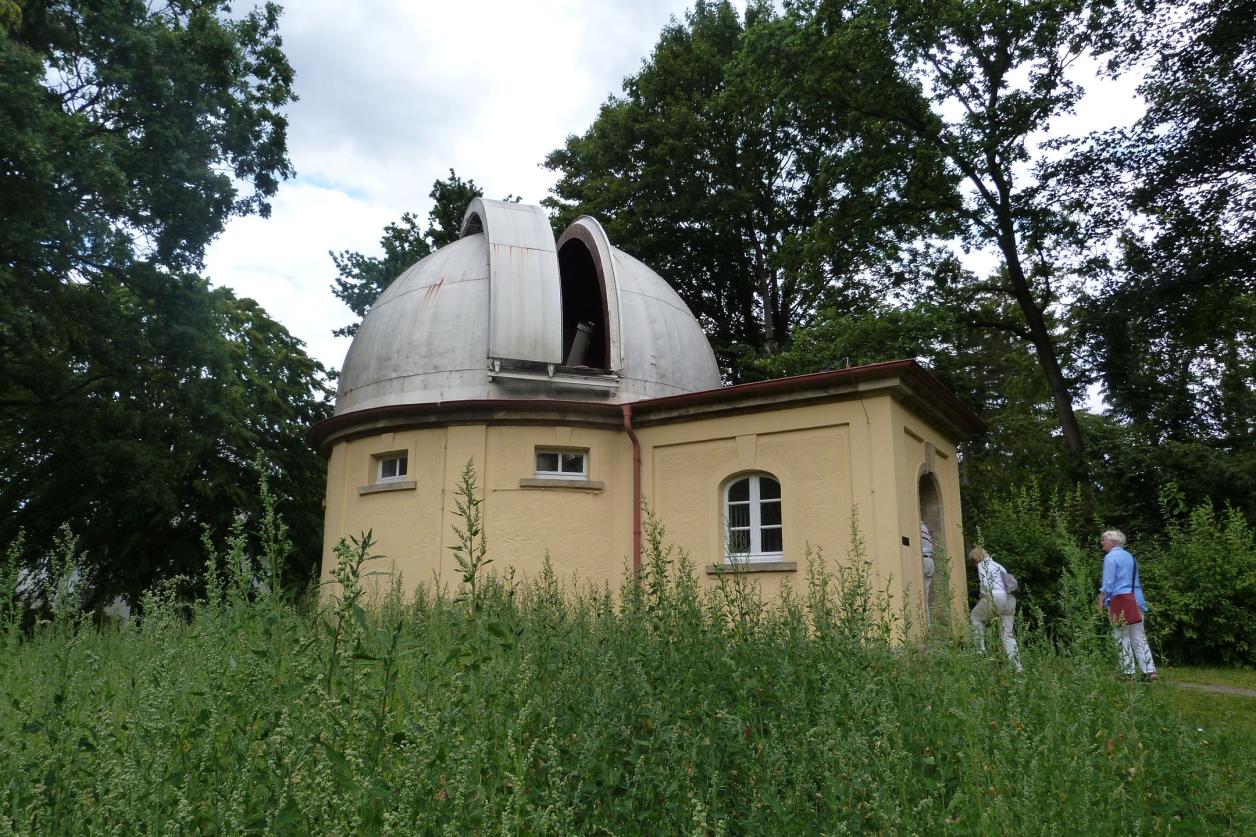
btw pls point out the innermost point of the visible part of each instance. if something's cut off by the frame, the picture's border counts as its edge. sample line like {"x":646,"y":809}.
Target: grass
{"x":1225,"y":727}
{"x":1243,"y":678}
{"x":536,"y":713}
{"x":523,"y":707}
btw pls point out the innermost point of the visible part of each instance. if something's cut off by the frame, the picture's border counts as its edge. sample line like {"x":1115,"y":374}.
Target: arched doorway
{"x":932,"y":515}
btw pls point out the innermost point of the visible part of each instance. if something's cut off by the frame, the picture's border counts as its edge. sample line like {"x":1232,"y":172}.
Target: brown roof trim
{"x":798,"y":383}
{"x":600,"y":414}
{"x":478,"y":411}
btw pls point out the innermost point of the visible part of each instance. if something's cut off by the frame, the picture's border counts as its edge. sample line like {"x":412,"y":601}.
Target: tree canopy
{"x":806,"y":176}
{"x":759,"y":211}
{"x":1170,"y":323}
{"x":135,"y":397}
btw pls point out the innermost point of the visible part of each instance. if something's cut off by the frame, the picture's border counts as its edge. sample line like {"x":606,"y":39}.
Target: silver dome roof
{"x":508,"y":313}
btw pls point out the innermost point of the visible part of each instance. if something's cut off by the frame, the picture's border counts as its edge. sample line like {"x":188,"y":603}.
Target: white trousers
{"x":1007,"y":617}
{"x":928,"y":567}
{"x":1131,"y":640}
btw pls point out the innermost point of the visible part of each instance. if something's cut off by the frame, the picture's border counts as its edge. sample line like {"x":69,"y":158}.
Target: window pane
{"x":770,"y":513}
{"x":402,"y":463}
{"x":547,"y":462}
{"x":738,"y":515}
{"x":573,"y":463}
{"x":771,"y":539}
{"x":392,"y":468}
{"x":738,"y":542}
{"x":769,"y":489}
{"x":739,"y":490}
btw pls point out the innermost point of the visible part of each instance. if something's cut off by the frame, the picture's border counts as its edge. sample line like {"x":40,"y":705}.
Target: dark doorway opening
{"x":931,"y":515}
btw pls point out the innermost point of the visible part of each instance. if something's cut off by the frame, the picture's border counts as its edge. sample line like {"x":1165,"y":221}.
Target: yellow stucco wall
{"x":864,"y":453}
{"x":913,"y":457}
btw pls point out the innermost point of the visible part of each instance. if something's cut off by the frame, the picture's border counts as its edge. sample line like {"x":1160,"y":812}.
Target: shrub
{"x":1035,"y":534}
{"x":1201,"y":584}
{"x":670,"y":708}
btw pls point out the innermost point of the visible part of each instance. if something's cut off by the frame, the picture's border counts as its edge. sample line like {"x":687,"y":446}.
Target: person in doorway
{"x":926,"y":560}
{"x":995,"y":601}
{"x":1121,"y":596}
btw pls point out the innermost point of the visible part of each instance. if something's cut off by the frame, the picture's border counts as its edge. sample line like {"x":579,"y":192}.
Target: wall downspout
{"x":636,"y":491}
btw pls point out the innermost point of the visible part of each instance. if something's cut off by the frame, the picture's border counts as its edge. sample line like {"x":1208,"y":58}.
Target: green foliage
{"x":1037,"y":533}
{"x":166,"y":450}
{"x":1168,"y":323}
{"x":10,"y":583}
{"x":757,"y":207}
{"x":1199,"y":576}
{"x":992,"y":77}
{"x":990,"y":370}
{"x":1171,"y":319}
{"x":345,"y":622}
{"x":275,"y":545}
{"x":1201,"y":584}
{"x":63,"y":582}
{"x":663,"y":714}
{"x":801,"y":172}
{"x":128,"y":130}
{"x":471,"y":551}
{"x":134,"y":395}
{"x":1137,"y":466}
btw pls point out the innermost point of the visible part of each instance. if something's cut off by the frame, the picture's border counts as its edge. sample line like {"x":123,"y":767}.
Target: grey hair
{"x":1114,"y":535}
{"x":978,"y":554}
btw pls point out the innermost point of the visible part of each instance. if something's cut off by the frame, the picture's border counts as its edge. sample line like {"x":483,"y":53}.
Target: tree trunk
{"x":1043,"y":347}
{"x":764,"y":278}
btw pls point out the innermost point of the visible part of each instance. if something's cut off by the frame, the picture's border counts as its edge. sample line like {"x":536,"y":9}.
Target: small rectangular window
{"x":562,"y":464}
{"x":393,"y":466}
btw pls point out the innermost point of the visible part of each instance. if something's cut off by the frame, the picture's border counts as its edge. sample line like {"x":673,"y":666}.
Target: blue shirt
{"x":1120,"y":575}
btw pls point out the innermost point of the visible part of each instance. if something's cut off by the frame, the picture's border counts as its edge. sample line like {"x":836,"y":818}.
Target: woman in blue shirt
{"x":1121,"y":595}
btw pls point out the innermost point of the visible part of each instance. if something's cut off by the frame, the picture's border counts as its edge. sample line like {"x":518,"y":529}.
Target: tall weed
{"x":529,"y":707}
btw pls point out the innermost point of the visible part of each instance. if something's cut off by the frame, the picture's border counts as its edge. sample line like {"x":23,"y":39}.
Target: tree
{"x":1171,"y":321}
{"x":995,"y":74}
{"x":363,"y":278}
{"x":196,"y":386}
{"x":129,"y":131}
{"x":757,"y":213}
{"x":135,"y":398}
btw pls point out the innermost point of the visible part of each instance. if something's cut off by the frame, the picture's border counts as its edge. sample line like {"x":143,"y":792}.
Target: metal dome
{"x":508,"y":313}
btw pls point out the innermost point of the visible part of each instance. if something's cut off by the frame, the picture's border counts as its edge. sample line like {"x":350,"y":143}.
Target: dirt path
{"x":1215,"y":688}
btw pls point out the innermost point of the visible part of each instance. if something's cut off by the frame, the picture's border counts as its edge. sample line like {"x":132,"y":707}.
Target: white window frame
{"x":560,"y":474}
{"x":756,"y":554}
{"x":382,"y":458}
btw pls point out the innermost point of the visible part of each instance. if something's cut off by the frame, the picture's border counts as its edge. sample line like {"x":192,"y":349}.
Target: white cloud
{"x":392,"y":95}
{"x":282,"y":261}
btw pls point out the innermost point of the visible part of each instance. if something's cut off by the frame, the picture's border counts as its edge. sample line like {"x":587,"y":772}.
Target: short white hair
{"x":1114,"y":535}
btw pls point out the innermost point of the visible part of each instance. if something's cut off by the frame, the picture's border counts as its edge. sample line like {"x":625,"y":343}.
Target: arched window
{"x":752,"y":509}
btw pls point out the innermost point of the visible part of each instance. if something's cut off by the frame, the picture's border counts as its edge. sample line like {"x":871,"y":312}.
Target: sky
{"x":395,"y":93}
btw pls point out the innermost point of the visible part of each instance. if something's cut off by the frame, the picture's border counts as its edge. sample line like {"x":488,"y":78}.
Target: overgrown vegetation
{"x":1199,"y":575}
{"x":536,"y":708}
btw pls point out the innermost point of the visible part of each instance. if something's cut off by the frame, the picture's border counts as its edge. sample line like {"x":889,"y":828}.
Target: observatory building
{"x":581,"y":387}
